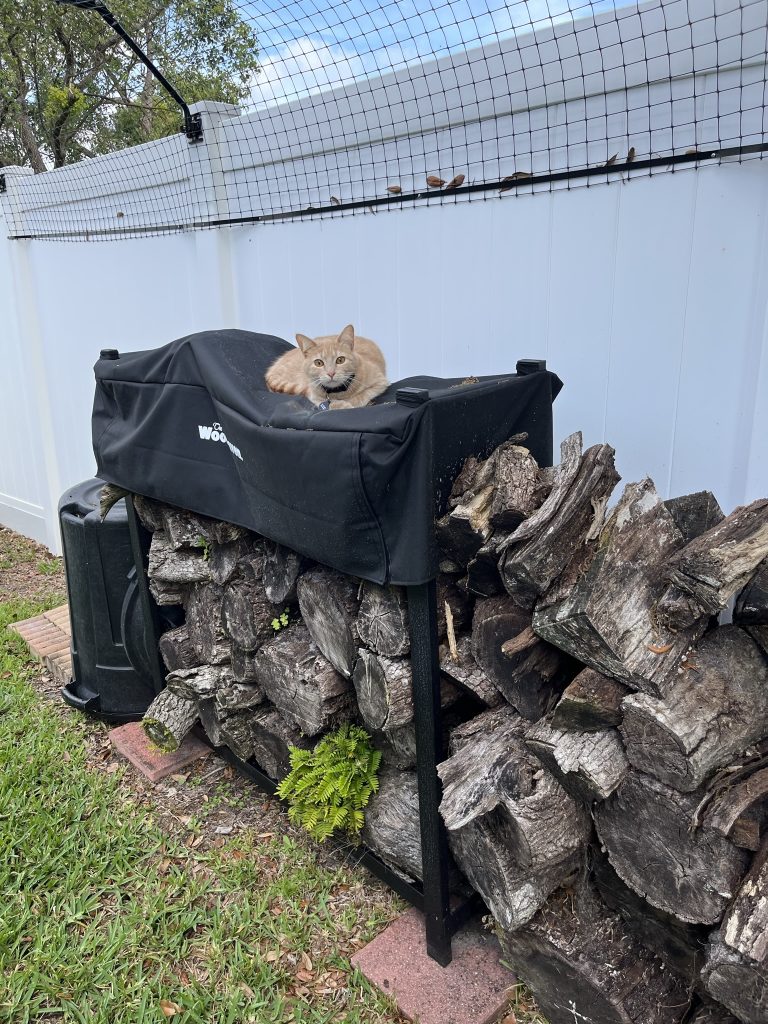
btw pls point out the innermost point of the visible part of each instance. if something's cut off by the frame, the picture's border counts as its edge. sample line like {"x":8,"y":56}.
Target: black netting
{"x":362,"y":107}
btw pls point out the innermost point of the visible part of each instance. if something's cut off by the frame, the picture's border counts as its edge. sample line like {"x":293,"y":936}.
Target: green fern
{"x":328,"y":787}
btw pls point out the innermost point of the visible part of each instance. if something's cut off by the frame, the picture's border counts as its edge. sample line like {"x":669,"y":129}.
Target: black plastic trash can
{"x":112,"y":674}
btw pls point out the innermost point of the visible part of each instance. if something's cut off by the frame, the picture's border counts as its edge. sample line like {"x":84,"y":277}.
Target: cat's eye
{"x":341,"y":359}
{"x":319,"y":362}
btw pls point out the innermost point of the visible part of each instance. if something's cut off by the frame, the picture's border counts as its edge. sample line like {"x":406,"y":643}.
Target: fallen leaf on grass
{"x":273,"y":956}
{"x":306,"y":962}
{"x":246,"y":990}
{"x":304,"y":976}
{"x":169,"y":1008}
{"x":66,"y":756}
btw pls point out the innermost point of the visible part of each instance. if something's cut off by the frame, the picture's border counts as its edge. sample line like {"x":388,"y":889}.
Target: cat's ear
{"x":304,"y":342}
{"x":347,"y":337}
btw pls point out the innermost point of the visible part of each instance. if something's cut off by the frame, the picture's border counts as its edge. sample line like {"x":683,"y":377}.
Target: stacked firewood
{"x":605,"y":782}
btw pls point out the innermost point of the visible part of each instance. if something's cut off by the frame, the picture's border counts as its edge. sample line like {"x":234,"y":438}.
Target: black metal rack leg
{"x":425,"y":664}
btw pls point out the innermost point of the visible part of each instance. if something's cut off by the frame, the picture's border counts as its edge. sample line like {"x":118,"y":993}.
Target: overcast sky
{"x":306,"y":45}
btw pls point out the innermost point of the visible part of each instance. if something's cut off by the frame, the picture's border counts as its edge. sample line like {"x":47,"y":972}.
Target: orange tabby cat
{"x":335,"y":372}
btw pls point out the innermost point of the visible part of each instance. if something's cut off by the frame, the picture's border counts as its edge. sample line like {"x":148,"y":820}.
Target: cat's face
{"x":329,"y":362}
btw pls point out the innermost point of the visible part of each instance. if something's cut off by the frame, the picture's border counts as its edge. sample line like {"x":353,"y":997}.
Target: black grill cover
{"x":193,"y":424}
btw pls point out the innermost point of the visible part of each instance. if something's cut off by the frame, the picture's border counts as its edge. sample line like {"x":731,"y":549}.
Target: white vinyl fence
{"x":649,"y":298}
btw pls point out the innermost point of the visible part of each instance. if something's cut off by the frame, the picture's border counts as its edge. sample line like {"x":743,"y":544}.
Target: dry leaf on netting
{"x":335,"y":201}
{"x":611,"y":160}
{"x":435,"y":182}
{"x":455,"y":182}
{"x":394,"y":189}
{"x":631,"y":155}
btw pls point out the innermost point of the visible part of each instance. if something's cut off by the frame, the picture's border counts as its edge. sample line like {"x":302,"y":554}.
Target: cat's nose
{"x":331,"y":374}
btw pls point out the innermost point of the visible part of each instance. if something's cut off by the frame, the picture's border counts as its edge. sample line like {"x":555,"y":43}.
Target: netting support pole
{"x":425,"y":665}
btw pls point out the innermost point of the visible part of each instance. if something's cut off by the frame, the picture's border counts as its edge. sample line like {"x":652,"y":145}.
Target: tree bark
{"x":206,"y":626}
{"x":236,"y":733}
{"x":243,"y":665}
{"x":167,"y":565}
{"x":247,"y":614}
{"x":177,"y":650}
{"x":464,"y":530}
{"x":167,"y":594}
{"x":739,"y":808}
{"x":328,"y":602}
{"x":149,"y":511}
{"x":517,"y":491}
{"x":715,"y":709}
{"x":712,"y":1013}
{"x":692,"y":874}
{"x":272,"y":739}
{"x":391,"y":827}
{"x":530,"y":678}
{"x":585,"y":968}
{"x":189,"y":530}
{"x":304,"y":687}
{"x":539,"y":552}
{"x":694,"y":514}
{"x":608,"y":619}
{"x":739,"y":984}
{"x":513,"y":830}
{"x":745,"y":925}
{"x":168,"y":720}
{"x":591,"y":703}
{"x":467,"y":674}
{"x":198,"y":683}
{"x":590,"y":766}
{"x":752,"y":603}
{"x":282,"y":568}
{"x":718,"y":564}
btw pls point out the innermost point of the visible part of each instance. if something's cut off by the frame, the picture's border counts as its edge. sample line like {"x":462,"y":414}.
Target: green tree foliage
{"x":70,"y":88}
{"x":329,"y":787}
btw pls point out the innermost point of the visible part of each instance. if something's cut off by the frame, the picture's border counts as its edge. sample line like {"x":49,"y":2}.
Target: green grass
{"x":104,"y":918}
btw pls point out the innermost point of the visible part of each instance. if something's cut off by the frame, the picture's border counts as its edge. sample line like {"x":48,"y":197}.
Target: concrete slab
{"x":473,"y":989}
{"x":131,"y":741}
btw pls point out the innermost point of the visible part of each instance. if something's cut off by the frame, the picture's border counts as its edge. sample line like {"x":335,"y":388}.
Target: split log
{"x":591,"y":703}
{"x":149,"y":511}
{"x":463,"y":531}
{"x":590,"y":766}
{"x":531,"y":676}
{"x":745,"y":925}
{"x":382,"y":623}
{"x":247,"y":614}
{"x":679,"y":945}
{"x":243,"y":665}
{"x":459,"y":603}
{"x":563,"y":532}
{"x":304,"y":687}
{"x":282,"y":568}
{"x":236,"y":733}
{"x":398,"y":746}
{"x":467,"y":674}
{"x":206,"y":625}
{"x":760,"y":635}
{"x":177,"y":650}
{"x":273,"y":739}
{"x":716,"y":708}
{"x":384,"y":688}
{"x":752,"y":603}
{"x":717,"y":565}
{"x":513,"y":830}
{"x":694,"y":514}
{"x":328,"y":602}
{"x":190,"y":530}
{"x":503,"y":718}
{"x":517,"y":491}
{"x":198,"y":683}
{"x":585,"y":968}
{"x":739,"y":984}
{"x":233,"y":697}
{"x":166,"y":565}
{"x":392,"y":828}
{"x":168,"y":720}
{"x":167,"y":594}
{"x":608,"y":619}
{"x":242,"y":557}
{"x":210,"y":721}
{"x":739,"y":808}
{"x":483,"y":576}
{"x":691,"y":874}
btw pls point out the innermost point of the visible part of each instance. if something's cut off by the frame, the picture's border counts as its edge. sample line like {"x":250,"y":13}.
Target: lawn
{"x":108,"y":914}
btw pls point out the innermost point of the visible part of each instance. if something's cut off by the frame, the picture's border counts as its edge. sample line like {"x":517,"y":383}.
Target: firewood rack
{"x":443,"y":914}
